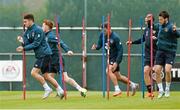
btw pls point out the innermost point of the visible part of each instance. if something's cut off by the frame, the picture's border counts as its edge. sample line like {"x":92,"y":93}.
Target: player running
{"x":115,"y":58}
{"x":166,"y":53}
{"x":34,"y":39}
{"x":147,"y":40}
{"x":53,"y":43}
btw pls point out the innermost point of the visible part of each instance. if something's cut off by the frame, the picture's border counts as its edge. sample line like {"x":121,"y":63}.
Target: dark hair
{"x":49,"y":23}
{"x":29,"y":17}
{"x":164,"y":14}
{"x":148,"y":15}
{"x":105,"y":25}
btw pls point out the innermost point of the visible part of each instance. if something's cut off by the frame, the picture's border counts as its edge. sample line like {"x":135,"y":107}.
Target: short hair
{"x":149,"y":15}
{"x":106,"y":25}
{"x":164,"y":14}
{"x":29,"y":17}
{"x":49,"y":23}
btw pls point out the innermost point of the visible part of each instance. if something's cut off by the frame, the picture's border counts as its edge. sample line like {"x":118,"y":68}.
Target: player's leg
{"x":35,"y":73}
{"x":115,"y":81}
{"x":168,"y":68}
{"x":147,"y":71}
{"x":50,"y":79}
{"x":52,"y":74}
{"x":46,"y":70}
{"x":73,"y":83}
{"x":169,"y":62}
{"x":158,"y":69}
{"x":124,"y":79}
{"x":159,"y":60}
{"x":147,"y":79}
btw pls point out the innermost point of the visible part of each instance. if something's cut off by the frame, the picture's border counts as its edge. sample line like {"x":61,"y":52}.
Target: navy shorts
{"x":55,"y":67}
{"x":43,"y":64}
{"x":147,"y":57}
{"x":111,"y":62}
{"x":165,"y":57}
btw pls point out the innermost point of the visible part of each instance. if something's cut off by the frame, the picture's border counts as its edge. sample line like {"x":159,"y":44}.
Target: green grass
{"x":94,"y":100}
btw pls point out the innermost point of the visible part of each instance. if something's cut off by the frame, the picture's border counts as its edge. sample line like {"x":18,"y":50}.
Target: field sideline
{"x":94,"y":100}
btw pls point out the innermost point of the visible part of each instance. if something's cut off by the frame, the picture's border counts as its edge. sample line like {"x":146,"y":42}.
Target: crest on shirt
{"x":46,"y":39}
{"x":28,"y":36}
{"x":111,"y":41}
{"x":33,"y":34}
{"x":106,"y":46}
{"x":166,"y":29}
{"x":147,"y":33}
{"x":38,"y":35}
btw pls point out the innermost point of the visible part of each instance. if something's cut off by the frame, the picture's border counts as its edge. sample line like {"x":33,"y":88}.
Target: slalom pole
{"x":83,"y":55}
{"x":129,"y":56}
{"x":108,"y":54}
{"x":24,"y":65}
{"x":142,"y":57}
{"x":151,"y":57}
{"x":60,"y":55}
{"x":103,"y":60}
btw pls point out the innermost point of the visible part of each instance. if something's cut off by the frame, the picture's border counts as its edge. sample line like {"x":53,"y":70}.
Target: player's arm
{"x":119,"y":50}
{"x":175,"y":32}
{"x":138,"y":41}
{"x":120,"y":54}
{"x":23,"y":40}
{"x":64,"y":46}
{"x":98,"y":45}
{"x":156,"y":31}
{"x":37,"y":41}
{"x":52,"y":40}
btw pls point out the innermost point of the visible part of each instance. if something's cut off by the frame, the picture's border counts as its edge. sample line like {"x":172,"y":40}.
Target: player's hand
{"x":94,"y":46}
{"x":128,"y":42}
{"x":19,"y":49}
{"x":114,"y":67}
{"x":174,"y":27}
{"x":20,"y":39}
{"x":70,"y":53}
{"x":154,"y":37}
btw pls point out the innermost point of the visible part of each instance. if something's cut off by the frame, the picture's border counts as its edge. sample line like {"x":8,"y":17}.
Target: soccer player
{"x":34,"y":39}
{"x":115,"y":58}
{"x":167,"y":45}
{"x":146,"y":38}
{"x":53,"y":43}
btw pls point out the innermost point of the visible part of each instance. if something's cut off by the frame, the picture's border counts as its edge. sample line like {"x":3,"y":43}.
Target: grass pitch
{"x":93,"y":100}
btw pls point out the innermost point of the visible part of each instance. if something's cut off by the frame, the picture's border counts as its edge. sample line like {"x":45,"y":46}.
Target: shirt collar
{"x":30,"y":28}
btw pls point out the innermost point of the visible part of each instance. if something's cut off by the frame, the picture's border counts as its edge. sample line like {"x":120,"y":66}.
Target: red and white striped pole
{"x":129,"y":56}
{"x":83,"y":55}
{"x":24,"y":66}
{"x":108,"y":54}
{"x":60,"y":54}
{"x":151,"y":49}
